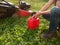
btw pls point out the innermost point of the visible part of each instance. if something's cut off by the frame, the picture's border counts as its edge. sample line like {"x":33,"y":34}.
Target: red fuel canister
{"x":33,"y":23}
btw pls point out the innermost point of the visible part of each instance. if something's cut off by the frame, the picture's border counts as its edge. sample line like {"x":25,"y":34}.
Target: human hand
{"x":37,"y":14}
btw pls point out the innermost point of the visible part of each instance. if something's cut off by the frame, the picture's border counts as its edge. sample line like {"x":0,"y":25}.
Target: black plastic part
{"x":24,"y":5}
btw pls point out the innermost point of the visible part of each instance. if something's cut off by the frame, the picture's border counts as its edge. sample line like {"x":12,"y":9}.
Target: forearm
{"x":43,"y":12}
{"x":47,"y":5}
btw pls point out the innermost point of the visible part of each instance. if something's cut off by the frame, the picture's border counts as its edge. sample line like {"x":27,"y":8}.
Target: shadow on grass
{"x":51,"y":41}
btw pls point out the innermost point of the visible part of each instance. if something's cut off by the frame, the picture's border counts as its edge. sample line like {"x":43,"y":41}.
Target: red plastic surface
{"x":33,"y":23}
{"x":23,"y":13}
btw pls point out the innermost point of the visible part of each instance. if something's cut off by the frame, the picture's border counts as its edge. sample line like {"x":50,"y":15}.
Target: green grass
{"x":14,"y":31}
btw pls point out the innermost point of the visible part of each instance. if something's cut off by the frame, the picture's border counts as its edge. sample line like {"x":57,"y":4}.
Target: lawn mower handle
{"x":8,"y":3}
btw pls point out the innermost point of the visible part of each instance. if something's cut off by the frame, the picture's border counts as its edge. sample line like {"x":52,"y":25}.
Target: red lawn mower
{"x":7,"y":9}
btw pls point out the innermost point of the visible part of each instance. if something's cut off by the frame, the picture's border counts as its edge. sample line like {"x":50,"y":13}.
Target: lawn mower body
{"x":7,"y":9}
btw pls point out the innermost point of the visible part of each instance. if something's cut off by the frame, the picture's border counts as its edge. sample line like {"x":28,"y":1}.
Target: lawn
{"x":14,"y":31}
